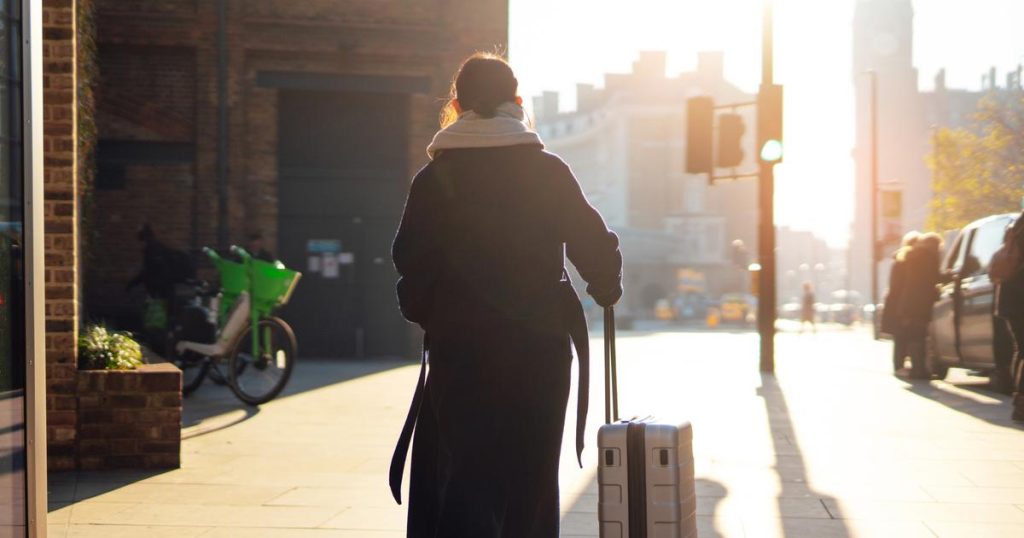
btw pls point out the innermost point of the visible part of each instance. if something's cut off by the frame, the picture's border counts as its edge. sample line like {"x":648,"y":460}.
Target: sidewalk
{"x":833,"y":446}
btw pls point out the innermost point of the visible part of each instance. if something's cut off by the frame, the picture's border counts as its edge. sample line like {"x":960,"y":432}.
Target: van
{"x":964,"y":331}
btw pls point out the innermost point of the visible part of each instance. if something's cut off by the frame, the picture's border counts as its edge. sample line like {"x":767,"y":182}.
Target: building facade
{"x":626,"y":142}
{"x":214,"y":120}
{"x":907,"y":119}
{"x":298,"y":121}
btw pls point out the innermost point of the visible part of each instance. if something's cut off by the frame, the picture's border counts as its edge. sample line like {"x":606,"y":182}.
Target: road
{"x":832,"y":446}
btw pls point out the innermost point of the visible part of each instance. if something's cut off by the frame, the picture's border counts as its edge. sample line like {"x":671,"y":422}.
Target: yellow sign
{"x":892,"y":204}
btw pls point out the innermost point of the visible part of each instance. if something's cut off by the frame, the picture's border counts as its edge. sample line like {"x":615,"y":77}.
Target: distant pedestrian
{"x":807,"y":312}
{"x":920,"y":291}
{"x":892,"y":321}
{"x":480,"y":256}
{"x":1007,"y":268}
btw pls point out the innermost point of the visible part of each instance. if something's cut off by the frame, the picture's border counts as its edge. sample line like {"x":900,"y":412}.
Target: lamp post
{"x":766,"y":308}
{"x":874,"y":199}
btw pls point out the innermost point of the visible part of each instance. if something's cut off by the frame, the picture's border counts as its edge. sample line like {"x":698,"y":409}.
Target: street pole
{"x":766,"y":311}
{"x":874,"y":201}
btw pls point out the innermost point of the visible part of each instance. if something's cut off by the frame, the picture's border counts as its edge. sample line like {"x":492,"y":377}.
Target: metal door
{"x":977,"y":329}
{"x":342,"y":161}
{"x":946,"y":314}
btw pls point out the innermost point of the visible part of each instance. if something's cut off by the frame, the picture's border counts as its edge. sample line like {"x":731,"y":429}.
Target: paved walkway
{"x":832,"y":446}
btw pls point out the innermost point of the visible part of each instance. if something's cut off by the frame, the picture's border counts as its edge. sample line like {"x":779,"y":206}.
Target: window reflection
{"x":12,"y":279}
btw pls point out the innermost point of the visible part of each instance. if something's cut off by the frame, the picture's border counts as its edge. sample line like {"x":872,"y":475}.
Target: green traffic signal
{"x":771,"y":151}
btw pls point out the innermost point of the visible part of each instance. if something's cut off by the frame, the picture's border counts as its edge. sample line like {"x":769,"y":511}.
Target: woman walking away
{"x":892,"y":322}
{"x":480,"y":255}
{"x":920,"y":291}
{"x":807,"y":313}
{"x":1007,"y":268}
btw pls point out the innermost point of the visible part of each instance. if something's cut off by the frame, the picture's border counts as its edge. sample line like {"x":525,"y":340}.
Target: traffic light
{"x":769,"y":122}
{"x":700,"y":115}
{"x":730,"y":134}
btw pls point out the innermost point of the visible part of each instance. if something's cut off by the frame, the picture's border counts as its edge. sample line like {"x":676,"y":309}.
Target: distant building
{"x":626,"y":144}
{"x":907,"y":118}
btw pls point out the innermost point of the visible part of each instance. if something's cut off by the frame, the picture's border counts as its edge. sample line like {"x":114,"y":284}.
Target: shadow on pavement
{"x":710,"y":494}
{"x":213,"y":401}
{"x":793,"y":479}
{"x":213,"y":408}
{"x":69,"y":487}
{"x":975,"y":398}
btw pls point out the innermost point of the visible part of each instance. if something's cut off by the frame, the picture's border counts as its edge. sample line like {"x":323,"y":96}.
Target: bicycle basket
{"x":272,"y":284}
{"x":234,"y":277}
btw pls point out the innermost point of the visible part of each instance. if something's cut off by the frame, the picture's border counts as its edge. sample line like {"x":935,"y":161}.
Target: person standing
{"x":1010,"y":305}
{"x":807,"y":313}
{"x":920,"y":291}
{"x":892,"y":322}
{"x":480,"y":254}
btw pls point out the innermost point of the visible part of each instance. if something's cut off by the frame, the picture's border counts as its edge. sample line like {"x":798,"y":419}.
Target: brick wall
{"x":362,"y":37}
{"x":146,"y":100}
{"x":61,"y":241}
{"x":129,"y":419}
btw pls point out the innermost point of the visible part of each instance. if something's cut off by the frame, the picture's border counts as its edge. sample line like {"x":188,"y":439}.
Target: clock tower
{"x":883,"y":33}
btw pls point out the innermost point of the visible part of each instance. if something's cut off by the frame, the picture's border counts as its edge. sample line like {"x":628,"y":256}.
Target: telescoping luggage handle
{"x":611,"y":381}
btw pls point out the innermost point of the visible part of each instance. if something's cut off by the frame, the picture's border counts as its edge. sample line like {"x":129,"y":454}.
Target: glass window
{"x":12,"y":279}
{"x":955,"y":256}
{"x":986,"y":241}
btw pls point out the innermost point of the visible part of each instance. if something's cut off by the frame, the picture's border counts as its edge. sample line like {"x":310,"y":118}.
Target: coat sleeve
{"x":591,"y":247}
{"x":416,"y":250}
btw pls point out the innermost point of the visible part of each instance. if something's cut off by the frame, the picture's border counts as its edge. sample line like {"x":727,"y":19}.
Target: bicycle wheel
{"x":258,"y":379}
{"x":193,"y":370}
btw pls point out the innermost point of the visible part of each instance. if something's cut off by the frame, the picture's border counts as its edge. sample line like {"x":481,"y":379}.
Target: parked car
{"x":964,"y":331}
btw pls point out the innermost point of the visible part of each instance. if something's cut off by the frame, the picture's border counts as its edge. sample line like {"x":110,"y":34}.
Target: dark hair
{"x":483,"y":83}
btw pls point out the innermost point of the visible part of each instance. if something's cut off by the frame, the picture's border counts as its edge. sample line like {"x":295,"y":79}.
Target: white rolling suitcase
{"x":645,"y":469}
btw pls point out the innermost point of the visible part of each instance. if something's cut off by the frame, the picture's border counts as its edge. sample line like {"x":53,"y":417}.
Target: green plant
{"x":100,"y":348}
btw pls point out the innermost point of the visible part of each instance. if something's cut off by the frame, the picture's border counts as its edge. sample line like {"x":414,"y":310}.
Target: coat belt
{"x":577,"y":325}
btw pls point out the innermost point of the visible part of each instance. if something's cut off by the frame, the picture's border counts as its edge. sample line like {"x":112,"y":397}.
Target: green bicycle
{"x":257,"y":349}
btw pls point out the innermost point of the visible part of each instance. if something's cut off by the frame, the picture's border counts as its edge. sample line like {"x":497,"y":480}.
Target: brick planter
{"x":129,"y":419}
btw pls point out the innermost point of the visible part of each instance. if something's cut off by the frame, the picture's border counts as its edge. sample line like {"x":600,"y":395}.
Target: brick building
{"x":329,"y":106}
{"x":302,"y":121}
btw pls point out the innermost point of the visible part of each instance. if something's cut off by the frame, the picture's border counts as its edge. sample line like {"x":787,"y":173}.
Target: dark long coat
{"x":920,"y":289}
{"x":480,"y":255}
{"x":892,"y":321}
{"x":1010,"y":292}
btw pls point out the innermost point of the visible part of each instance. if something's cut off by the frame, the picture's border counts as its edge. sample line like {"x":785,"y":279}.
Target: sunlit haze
{"x":555,"y":44}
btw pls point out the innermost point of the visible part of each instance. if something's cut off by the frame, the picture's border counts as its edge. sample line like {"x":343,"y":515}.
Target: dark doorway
{"x":342,"y":167}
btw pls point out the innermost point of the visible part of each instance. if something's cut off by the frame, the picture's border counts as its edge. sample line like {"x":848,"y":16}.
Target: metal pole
{"x":766,"y":311}
{"x":222,"y":126}
{"x":874,"y":200}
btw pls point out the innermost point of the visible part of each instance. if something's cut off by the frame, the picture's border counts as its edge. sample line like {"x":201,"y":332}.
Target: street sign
{"x":892,"y":204}
{"x":892,"y":217}
{"x":323,"y":246}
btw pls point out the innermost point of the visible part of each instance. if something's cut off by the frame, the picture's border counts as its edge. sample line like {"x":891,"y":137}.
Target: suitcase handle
{"x":611,"y":380}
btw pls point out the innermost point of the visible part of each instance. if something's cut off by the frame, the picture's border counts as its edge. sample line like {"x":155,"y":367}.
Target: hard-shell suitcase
{"x":645,"y":469}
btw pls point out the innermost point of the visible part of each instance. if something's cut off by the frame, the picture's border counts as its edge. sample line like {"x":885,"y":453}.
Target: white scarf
{"x":507,"y":128}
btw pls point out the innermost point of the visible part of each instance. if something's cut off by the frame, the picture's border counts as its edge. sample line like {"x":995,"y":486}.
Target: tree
{"x":979,"y":171}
